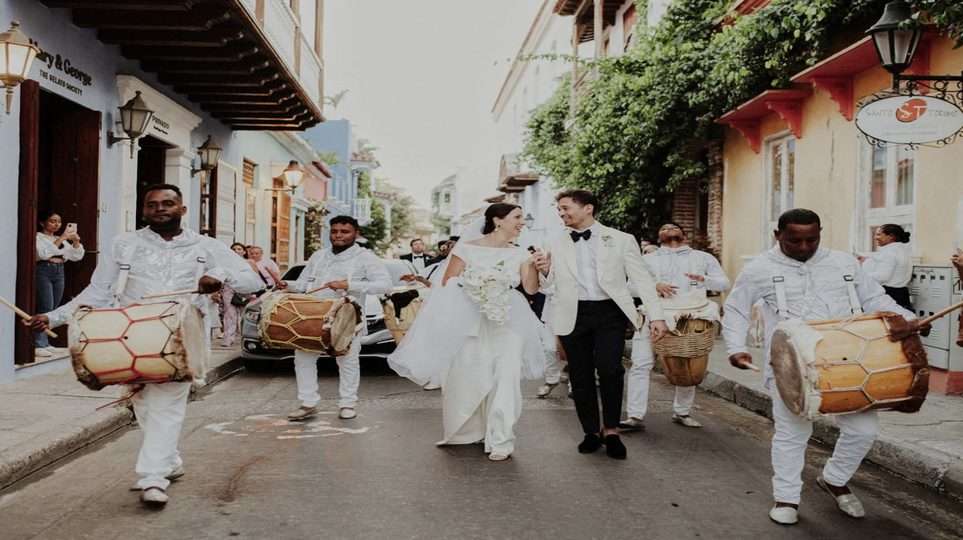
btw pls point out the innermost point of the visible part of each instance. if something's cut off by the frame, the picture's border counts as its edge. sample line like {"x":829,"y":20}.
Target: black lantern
{"x":16,"y":55}
{"x":896,"y":37}
{"x":135,"y":118}
{"x":209,"y":152}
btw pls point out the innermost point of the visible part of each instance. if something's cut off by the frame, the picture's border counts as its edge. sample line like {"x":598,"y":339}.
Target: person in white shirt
{"x":159,"y":258}
{"x":891,"y":265}
{"x":268,"y":269}
{"x":344,"y":268}
{"x":797,"y":279}
{"x":678,"y":269}
{"x":53,"y":251}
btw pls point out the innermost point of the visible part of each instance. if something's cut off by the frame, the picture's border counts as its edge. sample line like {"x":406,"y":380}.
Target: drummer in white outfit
{"x":798,"y":280}
{"x":343,"y":269}
{"x":159,"y":258}
{"x":677,"y":269}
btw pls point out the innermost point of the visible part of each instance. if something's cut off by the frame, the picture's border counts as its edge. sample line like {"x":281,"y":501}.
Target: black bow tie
{"x":417,"y":256}
{"x":584,"y":235}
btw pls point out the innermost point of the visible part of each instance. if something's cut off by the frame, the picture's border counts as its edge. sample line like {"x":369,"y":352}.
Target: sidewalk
{"x":47,"y":417}
{"x":925,"y":447}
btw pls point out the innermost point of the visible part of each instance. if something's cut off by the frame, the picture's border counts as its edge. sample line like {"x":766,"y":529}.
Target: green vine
{"x":642,"y":127}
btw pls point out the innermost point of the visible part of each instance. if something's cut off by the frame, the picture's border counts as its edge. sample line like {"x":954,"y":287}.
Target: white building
{"x":445,"y":205}
{"x":246,"y":74}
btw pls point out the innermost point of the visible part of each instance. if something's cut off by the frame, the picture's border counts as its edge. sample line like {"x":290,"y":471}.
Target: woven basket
{"x":399,"y":328}
{"x":684,"y":353}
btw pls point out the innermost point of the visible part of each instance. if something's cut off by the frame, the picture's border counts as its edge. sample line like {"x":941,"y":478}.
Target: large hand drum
{"x":153,"y":342}
{"x":848,"y":366}
{"x":400,"y":309}
{"x":308,"y":323}
{"x":684,"y":351}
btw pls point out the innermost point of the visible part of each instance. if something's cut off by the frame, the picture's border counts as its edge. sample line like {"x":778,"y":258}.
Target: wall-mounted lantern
{"x":135,"y":118}
{"x":209,"y":152}
{"x":16,"y":56}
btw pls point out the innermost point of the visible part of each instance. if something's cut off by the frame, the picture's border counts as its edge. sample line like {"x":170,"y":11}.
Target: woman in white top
{"x":53,"y":251}
{"x":890,"y":265}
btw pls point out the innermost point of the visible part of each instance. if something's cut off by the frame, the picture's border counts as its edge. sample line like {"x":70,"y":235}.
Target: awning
{"x":584,"y":12}
{"x":786,"y":103}
{"x":514,"y":173}
{"x":218,"y":54}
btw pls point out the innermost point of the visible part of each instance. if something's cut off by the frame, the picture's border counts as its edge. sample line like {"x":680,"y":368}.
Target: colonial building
{"x":445,"y":206}
{"x":247,"y":75}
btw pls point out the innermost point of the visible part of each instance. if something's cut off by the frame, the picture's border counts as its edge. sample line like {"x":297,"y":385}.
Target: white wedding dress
{"x":479,"y":362}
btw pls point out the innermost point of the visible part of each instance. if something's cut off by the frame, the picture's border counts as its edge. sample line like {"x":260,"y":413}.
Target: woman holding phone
{"x":53,"y":251}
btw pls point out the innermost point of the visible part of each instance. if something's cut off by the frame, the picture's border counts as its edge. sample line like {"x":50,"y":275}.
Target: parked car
{"x":378,"y":343}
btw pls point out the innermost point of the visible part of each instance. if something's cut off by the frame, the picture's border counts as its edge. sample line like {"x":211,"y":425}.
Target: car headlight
{"x":252,"y":316}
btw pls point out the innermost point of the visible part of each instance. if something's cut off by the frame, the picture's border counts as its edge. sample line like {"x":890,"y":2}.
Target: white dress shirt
{"x":46,"y":249}
{"x":670,"y":265}
{"x":890,"y":265}
{"x":586,"y":258}
{"x":418,"y":261}
{"x":362,"y":269}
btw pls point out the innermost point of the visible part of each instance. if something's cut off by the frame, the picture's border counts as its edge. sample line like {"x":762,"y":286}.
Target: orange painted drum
{"x":848,"y":366}
{"x":153,"y":342}
{"x":308,"y":323}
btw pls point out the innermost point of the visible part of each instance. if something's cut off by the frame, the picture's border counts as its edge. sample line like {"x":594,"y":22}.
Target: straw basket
{"x":684,"y":353}
{"x":398,"y":326}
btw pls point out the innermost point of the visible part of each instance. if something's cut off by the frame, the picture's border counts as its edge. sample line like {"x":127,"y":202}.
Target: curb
{"x":14,"y":468}
{"x":940,"y":472}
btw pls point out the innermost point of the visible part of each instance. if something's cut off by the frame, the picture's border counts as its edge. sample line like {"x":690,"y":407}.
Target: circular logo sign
{"x":909,"y":119}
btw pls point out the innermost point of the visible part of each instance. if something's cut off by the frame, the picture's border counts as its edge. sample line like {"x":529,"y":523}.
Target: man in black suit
{"x":418,"y":258}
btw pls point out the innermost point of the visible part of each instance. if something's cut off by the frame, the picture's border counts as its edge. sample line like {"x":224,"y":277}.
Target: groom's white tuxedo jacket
{"x":621,"y":273}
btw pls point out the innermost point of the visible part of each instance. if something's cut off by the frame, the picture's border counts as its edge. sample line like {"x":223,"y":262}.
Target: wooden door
{"x":281,"y":224}
{"x":27,"y":216}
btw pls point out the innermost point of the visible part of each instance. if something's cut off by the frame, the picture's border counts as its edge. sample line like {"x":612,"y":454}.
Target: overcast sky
{"x":422,"y":76}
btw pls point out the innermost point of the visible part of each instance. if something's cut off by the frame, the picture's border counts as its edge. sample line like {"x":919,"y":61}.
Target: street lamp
{"x":135,"y":117}
{"x":209,"y":153}
{"x":16,"y":55}
{"x":293,"y":174}
{"x":896,"y":37}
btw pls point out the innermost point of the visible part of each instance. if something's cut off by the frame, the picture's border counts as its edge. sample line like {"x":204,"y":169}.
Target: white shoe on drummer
{"x":848,"y":504}
{"x":431,"y":386}
{"x":347,"y":413}
{"x":545,"y":390}
{"x":174,"y":476}
{"x":784,"y":515}
{"x":686,"y":420}
{"x":495,"y":456}
{"x":154,"y":497}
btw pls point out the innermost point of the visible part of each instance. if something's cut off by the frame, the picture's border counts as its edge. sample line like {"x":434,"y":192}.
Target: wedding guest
{"x":266,"y":268}
{"x":232,"y":303}
{"x":890,"y":265}
{"x":53,"y":251}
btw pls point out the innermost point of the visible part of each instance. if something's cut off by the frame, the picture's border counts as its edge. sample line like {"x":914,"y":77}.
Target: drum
{"x":848,"y":366}
{"x":408,"y":302}
{"x":684,"y":352}
{"x":309,"y":323}
{"x":152,"y":342}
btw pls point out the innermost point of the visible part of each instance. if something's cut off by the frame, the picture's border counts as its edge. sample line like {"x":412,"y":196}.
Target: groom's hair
{"x":581,"y":196}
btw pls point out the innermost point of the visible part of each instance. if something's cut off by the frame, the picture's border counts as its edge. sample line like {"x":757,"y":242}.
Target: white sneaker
{"x":686,"y":420}
{"x":174,"y":476}
{"x":848,"y":504}
{"x":302,"y":413}
{"x":495,"y":456}
{"x":347,"y":413}
{"x":632,"y":424}
{"x":42,"y":352}
{"x":431,"y":386}
{"x":154,"y":496}
{"x":545,"y":390}
{"x":784,"y":515}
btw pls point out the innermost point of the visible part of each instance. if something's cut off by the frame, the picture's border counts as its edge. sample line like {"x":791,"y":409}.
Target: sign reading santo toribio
{"x":909,"y":120}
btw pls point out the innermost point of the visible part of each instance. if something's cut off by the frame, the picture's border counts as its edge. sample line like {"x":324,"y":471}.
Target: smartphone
{"x":71,"y":227}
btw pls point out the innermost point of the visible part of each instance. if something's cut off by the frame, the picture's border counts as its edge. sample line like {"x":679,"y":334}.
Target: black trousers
{"x":901,"y":295}
{"x":595,"y":345}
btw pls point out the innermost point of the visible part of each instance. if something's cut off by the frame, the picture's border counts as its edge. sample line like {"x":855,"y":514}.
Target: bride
{"x":477,"y":335}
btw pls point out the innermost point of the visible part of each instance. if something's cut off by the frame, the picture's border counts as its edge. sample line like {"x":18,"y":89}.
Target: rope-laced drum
{"x":153,"y":342}
{"x":309,"y":323}
{"x":693,"y":326}
{"x":849,"y":365}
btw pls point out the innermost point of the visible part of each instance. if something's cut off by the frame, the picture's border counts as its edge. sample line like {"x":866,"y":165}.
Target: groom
{"x":597,"y":273}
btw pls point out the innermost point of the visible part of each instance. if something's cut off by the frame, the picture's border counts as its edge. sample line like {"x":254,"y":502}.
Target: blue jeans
{"x":50,"y":291}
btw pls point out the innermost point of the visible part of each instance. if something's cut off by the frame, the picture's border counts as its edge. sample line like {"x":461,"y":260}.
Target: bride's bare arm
{"x":455,"y":267}
{"x":530,"y":276}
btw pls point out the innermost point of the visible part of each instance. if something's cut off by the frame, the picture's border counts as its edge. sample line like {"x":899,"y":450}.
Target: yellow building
{"x":800,"y":147}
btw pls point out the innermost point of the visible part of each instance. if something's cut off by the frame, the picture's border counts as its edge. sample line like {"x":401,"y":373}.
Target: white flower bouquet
{"x":490,"y":288}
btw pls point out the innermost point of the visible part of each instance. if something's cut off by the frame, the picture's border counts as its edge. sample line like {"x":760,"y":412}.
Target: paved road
{"x":251,"y":474}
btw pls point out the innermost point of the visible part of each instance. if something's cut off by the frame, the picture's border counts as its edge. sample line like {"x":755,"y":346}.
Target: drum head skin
{"x":786,"y":367}
{"x":343,"y":327}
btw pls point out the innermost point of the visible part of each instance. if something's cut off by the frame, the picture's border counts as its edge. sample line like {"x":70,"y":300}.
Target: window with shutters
{"x":250,"y":201}
{"x":281,"y":224}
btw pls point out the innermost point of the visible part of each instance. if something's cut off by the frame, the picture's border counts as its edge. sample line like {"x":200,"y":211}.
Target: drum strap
{"x":782,"y":305}
{"x":854,"y":306}
{"x":121,"y":281}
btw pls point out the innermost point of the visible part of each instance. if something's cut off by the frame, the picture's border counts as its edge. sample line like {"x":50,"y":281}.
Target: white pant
{"x":638,"y":380}
{"x":349,"y":376}
{"x":856,"y":435}
{"x":553,"y":366}
{"x":160,"y":410}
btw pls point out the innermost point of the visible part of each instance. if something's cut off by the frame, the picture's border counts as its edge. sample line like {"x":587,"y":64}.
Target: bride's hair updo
{"x":496,"y":210}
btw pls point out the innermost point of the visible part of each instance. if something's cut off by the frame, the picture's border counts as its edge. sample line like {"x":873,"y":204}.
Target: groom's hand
{"x":658,"y":329}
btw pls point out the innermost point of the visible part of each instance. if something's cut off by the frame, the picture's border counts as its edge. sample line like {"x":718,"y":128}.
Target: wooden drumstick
{"x":171,"y":293}
{"x":24,"y":315}
{"x":319,"y":289}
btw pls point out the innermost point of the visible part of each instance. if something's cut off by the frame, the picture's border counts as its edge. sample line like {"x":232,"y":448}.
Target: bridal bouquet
{"x":490,"y":288}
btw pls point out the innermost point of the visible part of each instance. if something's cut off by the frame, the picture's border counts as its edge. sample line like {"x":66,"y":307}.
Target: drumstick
{"x":171,"y":293}
{"x":319,"y":289}
{"x":23,"y":315}
{"x":940,"y":314}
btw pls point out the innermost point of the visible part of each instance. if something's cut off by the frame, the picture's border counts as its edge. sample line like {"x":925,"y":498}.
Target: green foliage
{"x":643,"y":125}
{"x":313,"y":229}
{"x":402,"y":220}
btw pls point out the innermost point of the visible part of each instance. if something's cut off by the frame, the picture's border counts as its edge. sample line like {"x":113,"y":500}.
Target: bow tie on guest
{"x":584,"y":235}
{"x":417,"y":256}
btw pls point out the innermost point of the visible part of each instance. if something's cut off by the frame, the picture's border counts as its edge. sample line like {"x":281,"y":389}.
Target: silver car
{"x":378,"y":343}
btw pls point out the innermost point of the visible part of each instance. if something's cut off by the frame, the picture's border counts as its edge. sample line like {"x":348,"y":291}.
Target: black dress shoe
{"x":590,"y":444}
{"x":614,"y":447}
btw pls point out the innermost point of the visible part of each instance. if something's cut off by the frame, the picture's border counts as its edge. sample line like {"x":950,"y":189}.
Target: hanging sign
{"x":909,"y":120}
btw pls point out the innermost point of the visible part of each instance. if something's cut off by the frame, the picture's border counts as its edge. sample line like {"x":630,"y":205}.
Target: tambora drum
{"x":308,"y":323}
{"x":684,"y":351}
{"x":152,"y":342}
{"x":400,"y":309}
{"x":848,"y":366}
